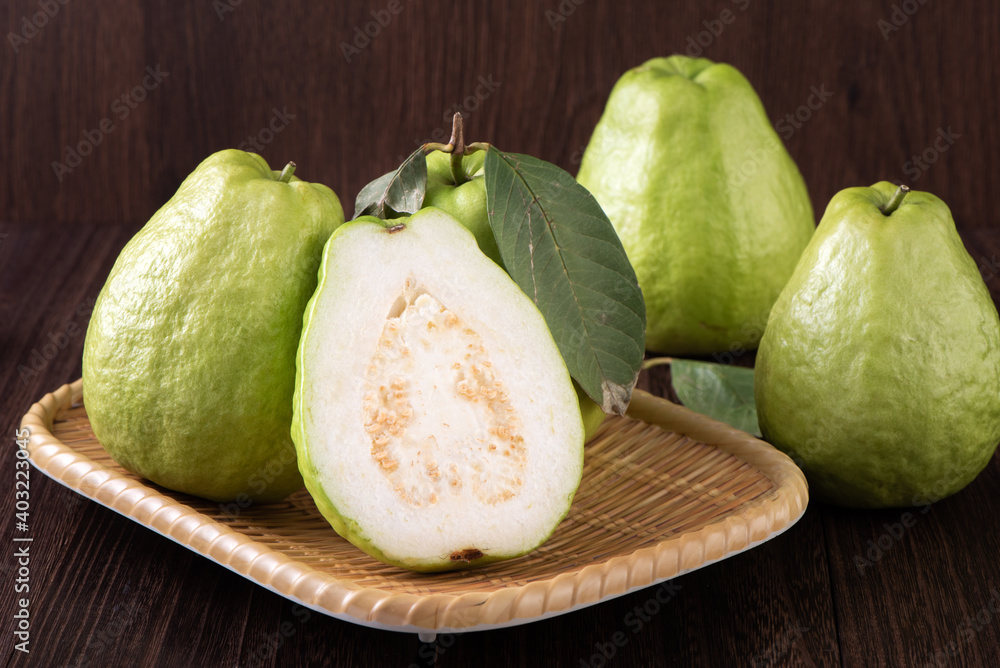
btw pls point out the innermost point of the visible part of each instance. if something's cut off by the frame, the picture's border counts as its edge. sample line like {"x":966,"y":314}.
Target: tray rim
{"x":429,"y":614}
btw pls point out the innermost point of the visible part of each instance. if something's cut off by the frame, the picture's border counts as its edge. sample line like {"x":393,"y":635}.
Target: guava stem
{"x":896,"y":200}
{"x":477,"y":146}
{"x":457,"y":142}
{"x":286,"y":173}
{"x":657,"y":361}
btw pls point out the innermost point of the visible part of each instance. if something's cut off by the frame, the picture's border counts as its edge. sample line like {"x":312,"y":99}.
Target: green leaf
{"x":400,"y":192}
{"x":720,"y":391}
{"x":560,"y":248}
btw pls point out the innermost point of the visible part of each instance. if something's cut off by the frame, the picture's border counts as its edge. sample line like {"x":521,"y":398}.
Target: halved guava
{"x":435,"y":421}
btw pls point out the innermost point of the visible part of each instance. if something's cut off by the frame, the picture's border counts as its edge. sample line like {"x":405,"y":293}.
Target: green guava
{"x":189,"y":360}
{"x":879,"y":371}
{"x":710,"y":208}
{"x":435,"y":422}
{"x":466,"y":202}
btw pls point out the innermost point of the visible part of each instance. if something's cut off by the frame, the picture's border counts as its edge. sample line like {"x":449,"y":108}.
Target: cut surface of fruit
{"x":448,"y":374}
{"x":435,"y":420}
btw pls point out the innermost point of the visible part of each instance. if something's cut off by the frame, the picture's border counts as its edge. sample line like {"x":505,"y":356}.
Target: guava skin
{"x":466,"y":202}
{"x":710,"y":208}
{"x":350,"y":530}
{"x":593,"y":416}
{"x":879,"y":371}
{"x":189,"y":360}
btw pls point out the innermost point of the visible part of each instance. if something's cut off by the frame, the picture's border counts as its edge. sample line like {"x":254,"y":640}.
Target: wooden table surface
{"x":910,"y":93}
{"x":852,"y":588}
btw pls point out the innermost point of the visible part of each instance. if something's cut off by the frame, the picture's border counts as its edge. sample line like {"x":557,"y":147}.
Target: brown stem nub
{"x":457,"y":142}
{"x":895,"y":201}
{"x":286,"y":173}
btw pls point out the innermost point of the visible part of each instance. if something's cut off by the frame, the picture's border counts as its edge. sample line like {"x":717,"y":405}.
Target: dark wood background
{"x":531,"y":77}
{"x":227,"y":71}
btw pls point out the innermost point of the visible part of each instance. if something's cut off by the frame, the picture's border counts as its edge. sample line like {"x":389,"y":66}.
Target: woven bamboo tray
{"x":665,"y":491}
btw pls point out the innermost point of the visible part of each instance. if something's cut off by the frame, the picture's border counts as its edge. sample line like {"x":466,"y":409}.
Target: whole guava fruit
{"x":466,"y":202}
{"x":189,"y":360}
{"x":879,"y":371}
{"x":436,"y":424}
{"x":710,"y":208}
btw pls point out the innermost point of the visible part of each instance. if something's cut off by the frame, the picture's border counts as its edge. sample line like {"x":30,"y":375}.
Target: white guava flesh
{"x":435,"y":421}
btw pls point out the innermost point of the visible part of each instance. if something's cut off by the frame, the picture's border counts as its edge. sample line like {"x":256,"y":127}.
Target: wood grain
{"x":347,"y":117}
{"x":106,"y":592}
